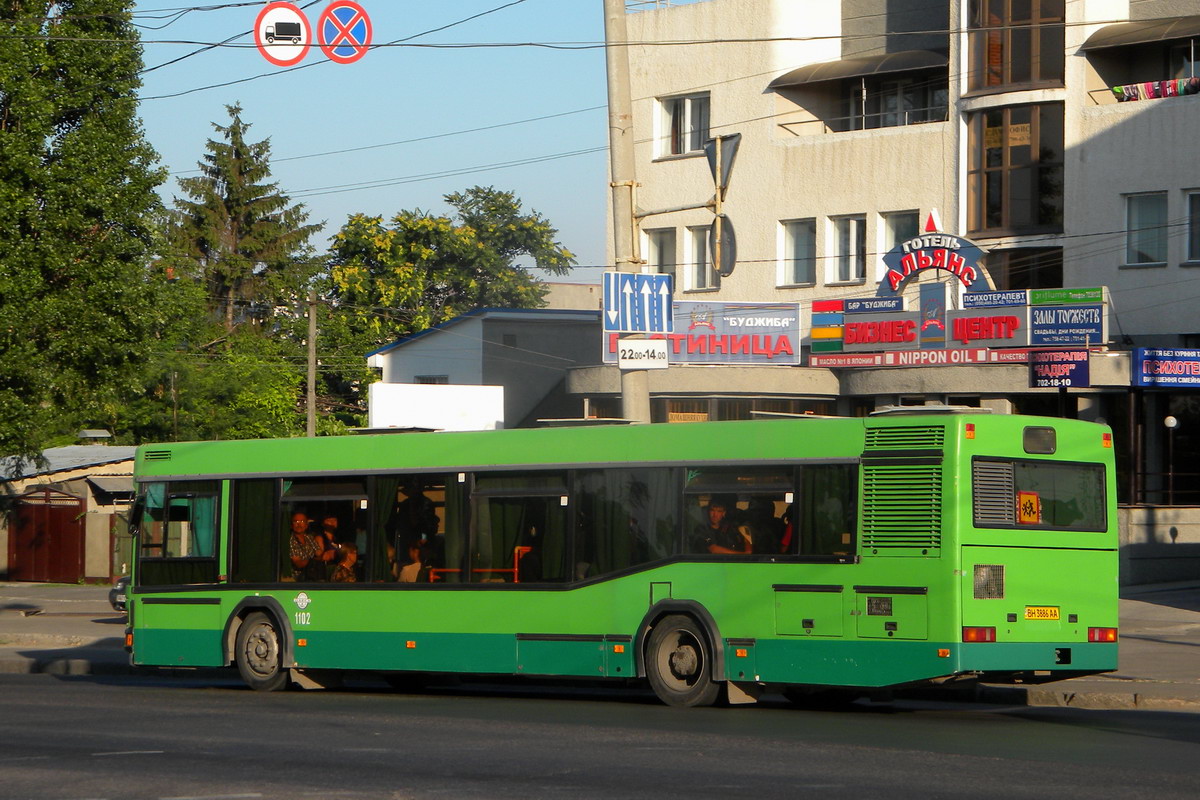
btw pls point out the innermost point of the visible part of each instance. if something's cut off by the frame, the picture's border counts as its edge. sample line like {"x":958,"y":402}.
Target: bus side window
{"x":737,"y":510}
{"x":319,"y":516}
{"x":421,"y":517}
{"x":625,"y":517}
{"x":827,"y":515}
{"x":519,"y":528}
{"x":178,"y":532}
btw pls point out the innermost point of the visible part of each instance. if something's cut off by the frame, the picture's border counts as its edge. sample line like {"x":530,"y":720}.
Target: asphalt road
{"x":133,"y":738}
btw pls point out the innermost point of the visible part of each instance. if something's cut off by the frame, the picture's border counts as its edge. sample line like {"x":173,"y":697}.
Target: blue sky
{"x":394,"y":94}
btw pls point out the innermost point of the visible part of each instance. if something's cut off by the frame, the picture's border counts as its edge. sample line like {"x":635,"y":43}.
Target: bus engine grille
{"x":902,"y":509}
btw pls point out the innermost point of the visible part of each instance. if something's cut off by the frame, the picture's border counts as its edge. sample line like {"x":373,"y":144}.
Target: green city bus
{"x":909,"y":547}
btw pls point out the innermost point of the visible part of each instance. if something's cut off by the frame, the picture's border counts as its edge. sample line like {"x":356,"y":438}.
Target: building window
{"x":432,"y":379}
{"x":900,"y":226}
{"x":1026,"y":268}
{"x":701,"y":274}
{"x":1015,"y":169}
{"x":1183,"y":60}
{"x":1016,"y":44}
{"x":660,"y":251}
{"x":683,"y":124}
{"x":1193,"y":207}
{"x":799,"y":252}
{"x":850,"y":248}
{"x":897,"y":102}
{"x":1146,"y":226}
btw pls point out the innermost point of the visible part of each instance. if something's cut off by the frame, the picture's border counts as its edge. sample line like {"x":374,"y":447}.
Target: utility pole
{"x":311,"y":400}
{"x":635,"y":384}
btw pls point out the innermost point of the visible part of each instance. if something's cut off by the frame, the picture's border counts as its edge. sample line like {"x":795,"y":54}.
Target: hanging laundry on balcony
{"x":1127,"y":93}
{"x":1155,"y":89}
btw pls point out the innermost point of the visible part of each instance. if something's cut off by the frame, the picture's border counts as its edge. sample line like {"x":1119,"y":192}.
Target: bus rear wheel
{"x":259,"y":655}
{"x":679,"y":663}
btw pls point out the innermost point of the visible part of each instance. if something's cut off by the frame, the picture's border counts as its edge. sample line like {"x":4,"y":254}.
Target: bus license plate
{"x":1041,"y":612}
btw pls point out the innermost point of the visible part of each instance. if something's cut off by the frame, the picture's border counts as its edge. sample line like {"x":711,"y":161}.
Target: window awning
{"x":1157,"y":30}
{"x":904,"y":61}
{"x":112,"y":484}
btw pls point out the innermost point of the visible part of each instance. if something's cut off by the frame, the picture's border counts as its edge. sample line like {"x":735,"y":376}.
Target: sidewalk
{"x":72,"y":630}
{"x":1159,"y":661}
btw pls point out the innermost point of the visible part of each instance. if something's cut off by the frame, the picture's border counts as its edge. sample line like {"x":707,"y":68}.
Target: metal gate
{"x":47,"y":543}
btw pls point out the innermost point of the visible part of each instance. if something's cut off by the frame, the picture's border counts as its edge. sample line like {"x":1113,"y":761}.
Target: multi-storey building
{"x":1054,"y":135}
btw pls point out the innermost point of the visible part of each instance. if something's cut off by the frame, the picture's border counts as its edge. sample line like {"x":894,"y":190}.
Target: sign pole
{"x":720,"y":196}
{"x":635,"y":383}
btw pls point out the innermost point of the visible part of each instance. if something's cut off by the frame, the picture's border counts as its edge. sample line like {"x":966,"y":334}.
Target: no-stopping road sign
{"x":344,"y":31}
{"x":282,"y":34}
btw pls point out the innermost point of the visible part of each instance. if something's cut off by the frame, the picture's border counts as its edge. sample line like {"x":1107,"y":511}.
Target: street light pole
{"x":635,"y":384}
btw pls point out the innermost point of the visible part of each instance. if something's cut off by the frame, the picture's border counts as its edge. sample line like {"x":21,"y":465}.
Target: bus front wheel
{"x":259,"y":655}
{"x":679,"y":663}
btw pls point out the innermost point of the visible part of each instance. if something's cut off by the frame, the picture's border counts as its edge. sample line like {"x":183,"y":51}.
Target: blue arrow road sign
{"x":636,"y":303}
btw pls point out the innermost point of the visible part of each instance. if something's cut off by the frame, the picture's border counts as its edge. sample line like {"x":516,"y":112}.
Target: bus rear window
{"x":1046,"y":495}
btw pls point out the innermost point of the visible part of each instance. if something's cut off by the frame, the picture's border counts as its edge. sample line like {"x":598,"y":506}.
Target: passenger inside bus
{"x":415,"y":517}
{"x":417,"y":568}
{"x":344,"y":572}
{"x":719,"y":534}
{"x":765,"y":529}
{"x":306,"y":551}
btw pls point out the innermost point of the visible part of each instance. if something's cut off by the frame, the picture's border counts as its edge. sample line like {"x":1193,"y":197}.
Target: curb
{"x":1135,"y":697}
{"x":110,"y":665}
{"x":57,"y":664}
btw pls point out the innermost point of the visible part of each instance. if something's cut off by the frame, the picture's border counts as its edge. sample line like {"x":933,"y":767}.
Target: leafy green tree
{"x":387,"y":280}
{"x":240,"y":385}
{"x":77,"y":205}
{"x":236,"y":231}
{"x":422,"y":269}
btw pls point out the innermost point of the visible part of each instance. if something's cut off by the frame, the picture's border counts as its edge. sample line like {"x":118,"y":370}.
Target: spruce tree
{"x":236,"y":231}
{"x":77,"y":205}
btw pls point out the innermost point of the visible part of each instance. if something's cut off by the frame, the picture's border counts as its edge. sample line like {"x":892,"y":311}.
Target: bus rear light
{"x":978,"y":634}
{"x":1102,"y":634}
{"x":943,"y":652}
{"x":129,"y":640}
{"x":969,"y":430}
{"x":1106,"y":440}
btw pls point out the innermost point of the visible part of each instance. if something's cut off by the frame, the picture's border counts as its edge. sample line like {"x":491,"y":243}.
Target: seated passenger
{"x":766,"y":531}
{"x":415,"y":569}
{"x":720,"y":535}
{"x":327,"y":538}
{"x":393,"y":565}
{"x":344,"y":572}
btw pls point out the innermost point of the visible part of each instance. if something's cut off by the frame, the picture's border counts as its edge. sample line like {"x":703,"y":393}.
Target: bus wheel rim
{"x":262,"y":650}
{"x":681,"y":662}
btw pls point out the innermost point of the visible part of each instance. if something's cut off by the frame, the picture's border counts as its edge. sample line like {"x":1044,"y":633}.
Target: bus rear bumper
{"x":1065,"y":659}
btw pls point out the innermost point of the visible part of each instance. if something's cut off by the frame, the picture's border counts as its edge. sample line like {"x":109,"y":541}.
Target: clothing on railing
{"x":1155,"y":89}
